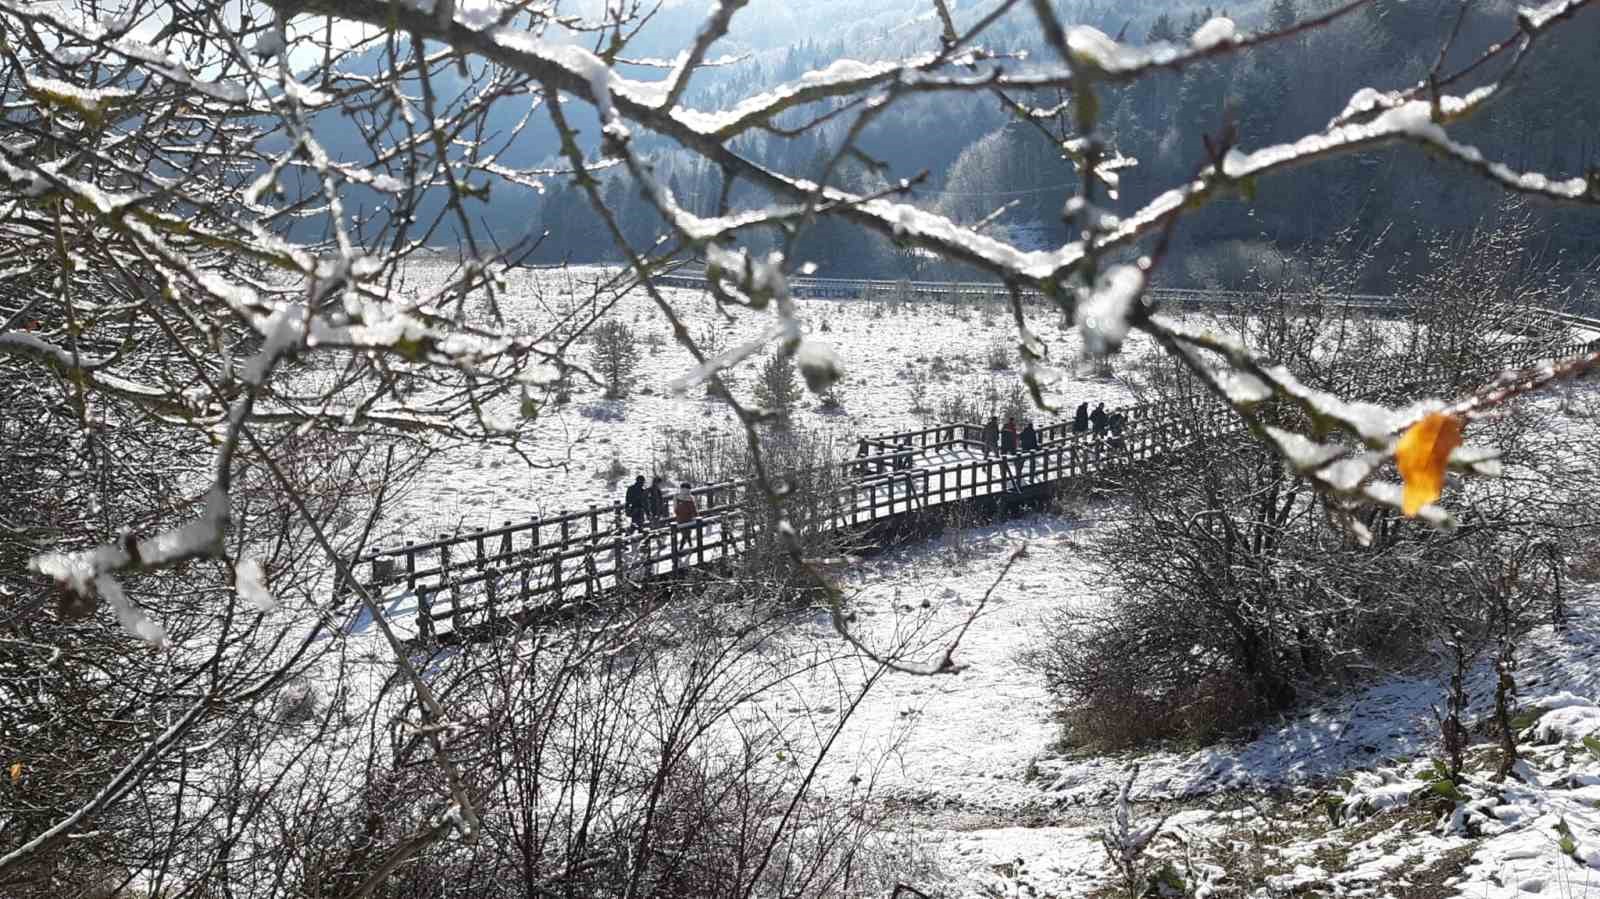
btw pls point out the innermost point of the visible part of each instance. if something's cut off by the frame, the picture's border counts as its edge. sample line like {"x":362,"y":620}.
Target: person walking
{"x":684,"y":512}
{"x":1028,"y":440}
{"x":684,"y":509}
{"x":991,"y":435}
{"x":656,"y":500}
{"x":1080,"y":419}
{"x":1008,"y":448}
{"x":635,"y":503}
{"x":1097,"y":418}
{"x":1115,"y":423}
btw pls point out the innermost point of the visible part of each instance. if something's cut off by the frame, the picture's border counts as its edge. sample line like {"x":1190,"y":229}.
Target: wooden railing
{"x":466,"y":580}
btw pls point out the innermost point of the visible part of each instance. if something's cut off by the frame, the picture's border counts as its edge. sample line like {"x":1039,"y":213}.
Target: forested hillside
{"x":979,"y":161}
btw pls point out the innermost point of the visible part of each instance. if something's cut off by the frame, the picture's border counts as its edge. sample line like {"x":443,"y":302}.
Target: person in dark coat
{"x":1080,"y":419}
{"x":902,"y":456}
{"x":635,"y":503}
{"x":1008,"y":446}
{"x":1029,"y":438}
{"x":656,"y":500}
{"x":1115,"y":423}
{"x":1097,"y":418}
{"x":991,"y":435}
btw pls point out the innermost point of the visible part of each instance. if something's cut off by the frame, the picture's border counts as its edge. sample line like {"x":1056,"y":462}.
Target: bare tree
{"x":202,"y":288}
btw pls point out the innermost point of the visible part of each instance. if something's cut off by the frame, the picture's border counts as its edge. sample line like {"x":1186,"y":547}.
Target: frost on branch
{"x":88,"y":573}
{"x":819,"y":365}
{"x":1103,"y":315}
{"x":250,"y":583}
{"x":1218,"y":31}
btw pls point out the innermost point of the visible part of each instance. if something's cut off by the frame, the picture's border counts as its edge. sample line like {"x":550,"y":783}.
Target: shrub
{"x":614,"y":353}
{"x":832,"y":399}
{"x":918,"y":388}
{"x":998,"y":354}
{"x":778,"y":384}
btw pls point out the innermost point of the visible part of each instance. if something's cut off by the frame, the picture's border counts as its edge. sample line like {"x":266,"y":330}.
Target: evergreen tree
{"x":614,"y":354}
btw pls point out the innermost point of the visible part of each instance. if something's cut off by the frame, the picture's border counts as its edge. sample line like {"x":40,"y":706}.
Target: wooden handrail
{"x":607,"y":550}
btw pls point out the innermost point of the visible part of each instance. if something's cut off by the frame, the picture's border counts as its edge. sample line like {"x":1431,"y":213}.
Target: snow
{"x":1214,"y":33}
{"x":1411,"y":120}
{"x":819,"y":364}
{"x":473,"y":486}
{"x":1103,"y":315}
{"x":199,"y":537}
{"x":251,"y":585}
{"x":1536,"y":17}
{"x":269,"y":44}
{"x":92,"y":102}
{"x":964,"y":766}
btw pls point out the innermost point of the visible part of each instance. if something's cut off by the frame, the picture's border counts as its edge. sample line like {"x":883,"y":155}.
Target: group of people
{"x":1098,"y":421}
{"x":1008,"y":440}
{"x":647,"y":506}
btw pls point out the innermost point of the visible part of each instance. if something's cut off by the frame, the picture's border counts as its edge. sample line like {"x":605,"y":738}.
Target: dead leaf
{"x":1421,"y":455}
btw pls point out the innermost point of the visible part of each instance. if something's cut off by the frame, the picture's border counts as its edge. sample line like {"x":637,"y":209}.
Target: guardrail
{"x":1161,"y":297}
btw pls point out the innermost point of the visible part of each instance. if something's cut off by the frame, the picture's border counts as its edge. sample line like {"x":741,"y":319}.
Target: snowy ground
{"x":964,"y":766}
{"x":881,"y":343}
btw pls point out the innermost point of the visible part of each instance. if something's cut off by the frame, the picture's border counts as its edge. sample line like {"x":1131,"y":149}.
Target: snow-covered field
{"x":966,"y":769}
{"x":881,"y":344}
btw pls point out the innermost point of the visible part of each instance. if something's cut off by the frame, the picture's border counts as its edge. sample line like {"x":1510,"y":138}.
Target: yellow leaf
{"x":1421,"y":455}
{"x":16,"y":772}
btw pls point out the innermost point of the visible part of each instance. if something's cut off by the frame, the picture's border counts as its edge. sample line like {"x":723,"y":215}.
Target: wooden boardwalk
{"x":460,"y":583}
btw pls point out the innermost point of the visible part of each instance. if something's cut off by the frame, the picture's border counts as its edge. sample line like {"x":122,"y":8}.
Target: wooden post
{"x":557,"y":572}
{"x":425,"y":615}
{"x":411,"y":565}
{"x":447,"y":577}
{"x":533,"y":553}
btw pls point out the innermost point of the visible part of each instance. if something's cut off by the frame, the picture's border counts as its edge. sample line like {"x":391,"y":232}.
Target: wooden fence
{"x":463,"y":581}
